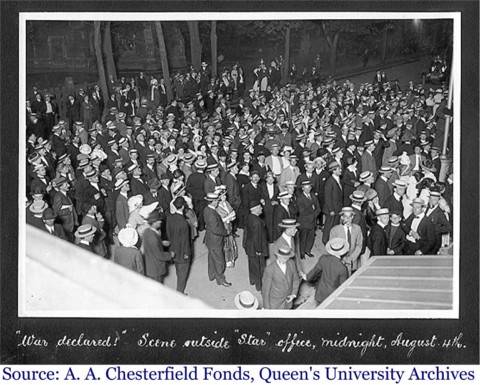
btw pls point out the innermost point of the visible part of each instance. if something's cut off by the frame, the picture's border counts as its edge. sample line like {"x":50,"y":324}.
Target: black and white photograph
{"x":217,"y":187}
{"x":242,"y":165}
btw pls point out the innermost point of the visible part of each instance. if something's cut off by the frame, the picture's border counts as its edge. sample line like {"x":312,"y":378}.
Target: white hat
{"x":145,"y":211}
{"x":246,"y":301}
{"x":337,"y":246}
{"x":134,"y":201}
{"x":128,"y":237}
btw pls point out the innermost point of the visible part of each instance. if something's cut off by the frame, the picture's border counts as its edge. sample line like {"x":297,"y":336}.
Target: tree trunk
{"x":195,"y":44}
{"x":97,"y":40}
{"x":305,"y":45}
{"x":213,"y":47}
{"x":333,"y":54}
{"x":108,"y":51}
{"x":384,"y":44}
{"x":164,"y":60}
{"x":286,"y":55}
{"x":175,"y":46}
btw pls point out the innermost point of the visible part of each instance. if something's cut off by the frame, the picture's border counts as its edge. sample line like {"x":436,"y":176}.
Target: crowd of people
{"x":137,"y":178}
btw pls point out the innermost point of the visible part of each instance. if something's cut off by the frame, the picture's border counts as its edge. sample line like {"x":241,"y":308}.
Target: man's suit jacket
{"x":377,"y":240}
{"x":308,"y":211}
{"x":121,"y":211}
{"x":333,"y":196}
{"x":164,"y":198}
{"x":348,"y":180}
{"x":129,"y":257}
{"x":138,"y":186}
{"x":209,"y":185}
{"x":383,"y":190}
{"x":255,"y":236}
{"x":393,"y":205}
{"x":280,"y":213}
{"x":233,"y":191}
{"x":395,"y":242}
{"x":67,"y":216}
{"x":178,"y":233}
{"x":195,"y":186}
{"x":355,"y":248}
{"x":332,"y":274}
{"x":359,"y":219}
{"x":215,"y":229}
{"x":277,"y":286}
{"x":438,"y":218}
{"x":426,"y":231}
{"x":154,"y":254}
{"x":250,"y":194}
{"x":368,"y":163}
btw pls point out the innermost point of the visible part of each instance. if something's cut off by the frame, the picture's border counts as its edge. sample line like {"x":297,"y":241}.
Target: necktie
{"x":349,"y":237}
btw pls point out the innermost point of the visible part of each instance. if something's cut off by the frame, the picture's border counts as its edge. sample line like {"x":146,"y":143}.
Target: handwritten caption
{"x":288,"y":343}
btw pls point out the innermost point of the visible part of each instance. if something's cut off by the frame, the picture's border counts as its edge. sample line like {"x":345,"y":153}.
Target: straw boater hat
{"x":400,"y":183}
{"x":288,"y":223}
{"x":357,"y":196}
{"x":120,"y":183}
{"x":200,"y":164}
{"x":284,"y":195}
{"x":333,"y":165}
{"x":382,"y":211}
{"x":347,"y":210}
{"x":85,"y":149}
{"x":245,"y":301}
{"x":128,"y":237}
{"x":364,"y":176}
{"x":85,"y":230}
{"x":211,"y":197}
{"x":419,"y":201}
{"x":337,"y":247}
{"x":171,"y":159}
{"x":284,"y":252}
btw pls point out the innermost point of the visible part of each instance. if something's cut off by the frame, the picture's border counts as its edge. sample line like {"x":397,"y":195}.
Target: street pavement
{"x":220,"y":297}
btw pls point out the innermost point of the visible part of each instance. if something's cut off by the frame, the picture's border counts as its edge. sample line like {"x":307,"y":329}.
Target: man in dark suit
{"x":436,"y":215}
{"x":121,"y":203}
{"x":435,"y":154}
{"x":330,"y":268}
{"x":63,"y":207}
{"x":178,"y":233}
{"x":395,"y":234}
{"x":156,"y":259}
{"x":50,"y":226}
{"x":280,"y":212}
{"x":333,"y":199}
{"x":91,"y":194}
{"x":251,"y":192}
{"x":84,"y":237}
{"x":150,"y":170}
{"x":212,"y":178}
{"x":214,"y":238}
{"x":164,"y":195}
{"x":394,"y":201}
{"x":233,"y":187}
{"x":255,"y":243}
{"x":420,"y":231}
{"x":349,"y":179}
{"x":377,"y":239}
{"x":195,"y":187}
{"x":381,"y":185}
{"x":137,"y":184}
{"x":308,"y":210}
{"x":280,"y":282}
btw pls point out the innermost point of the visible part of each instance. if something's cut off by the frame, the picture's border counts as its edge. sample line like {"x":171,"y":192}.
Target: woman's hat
{"x":38,"y":207}
{"x":145,"y":211}
{"x":245,"y":301}
{"x":128,"y":237}
{"x":337,"y":246}
{"x":85,"y":230}
{"x":288,"y":223}
{"x":135,"y":201}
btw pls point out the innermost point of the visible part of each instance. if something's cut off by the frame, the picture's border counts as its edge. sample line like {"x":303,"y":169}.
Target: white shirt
{"x":270,"y":190}
{"x":276,"y":165}
{"x":95,"y":185}
{"x":288,"y":239}
{"x":49,"y":107}
{"x":416,"y":222}
{"x":430,"y":210}
{"x":282,"y":266}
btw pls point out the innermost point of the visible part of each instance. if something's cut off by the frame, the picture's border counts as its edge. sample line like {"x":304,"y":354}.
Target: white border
{"x":179,"y":16}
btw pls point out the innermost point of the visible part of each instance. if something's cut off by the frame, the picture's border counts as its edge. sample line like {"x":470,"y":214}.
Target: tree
{"x":286,"y":54}
{"x":164,"y":60}
{"x":98,"y":54}
{"x":331,"y":33}
{"x":213,"y":45}
{"x":108,"y":51}
{"x":195,"y":44}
